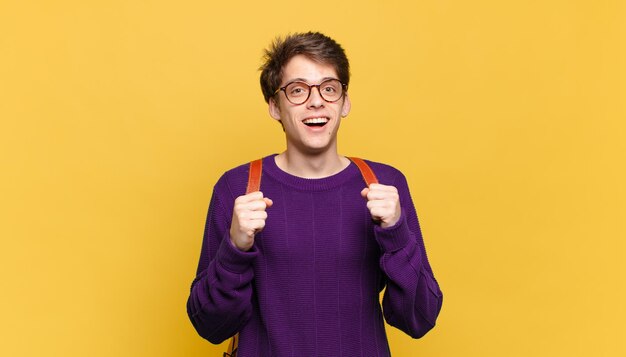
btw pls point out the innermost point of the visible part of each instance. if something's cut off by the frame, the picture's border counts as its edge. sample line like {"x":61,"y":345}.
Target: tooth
{"x":316,"y":120}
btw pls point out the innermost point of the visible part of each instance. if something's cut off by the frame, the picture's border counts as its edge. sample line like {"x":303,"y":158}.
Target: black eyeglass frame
{"x":343,"y":92}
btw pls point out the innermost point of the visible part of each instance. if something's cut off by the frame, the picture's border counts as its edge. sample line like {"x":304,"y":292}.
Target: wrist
{"x":240,"y":243}
{"x":232,"y":258}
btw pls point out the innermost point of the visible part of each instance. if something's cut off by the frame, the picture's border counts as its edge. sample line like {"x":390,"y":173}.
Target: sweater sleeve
{"x":219,"y":302}
{"x":412,"y":299}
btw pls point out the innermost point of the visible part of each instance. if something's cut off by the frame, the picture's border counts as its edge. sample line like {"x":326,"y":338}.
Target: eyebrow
{"x":305,"y":81}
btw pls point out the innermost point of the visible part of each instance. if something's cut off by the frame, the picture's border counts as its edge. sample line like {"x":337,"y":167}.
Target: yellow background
{"x":507,"y":117}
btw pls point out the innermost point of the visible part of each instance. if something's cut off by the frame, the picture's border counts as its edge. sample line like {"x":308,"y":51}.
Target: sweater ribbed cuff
{"x":234,"y":260}
{"x":395,"y":237}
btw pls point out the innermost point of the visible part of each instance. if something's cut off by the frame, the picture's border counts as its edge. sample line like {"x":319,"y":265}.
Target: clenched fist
{"x":248,"y":219}
{"x":384,"y":204}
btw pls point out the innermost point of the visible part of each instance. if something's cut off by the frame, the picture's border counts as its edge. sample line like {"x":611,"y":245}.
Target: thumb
{"x":364,"y":192}
{"x":268,"y":201}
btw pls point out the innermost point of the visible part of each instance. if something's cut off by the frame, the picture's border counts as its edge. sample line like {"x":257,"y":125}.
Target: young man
{"x":297,"y":268}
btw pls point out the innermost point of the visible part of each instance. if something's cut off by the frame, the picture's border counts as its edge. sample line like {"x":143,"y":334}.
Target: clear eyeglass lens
{"x":331,"y":90}
{"x":297,"y":91}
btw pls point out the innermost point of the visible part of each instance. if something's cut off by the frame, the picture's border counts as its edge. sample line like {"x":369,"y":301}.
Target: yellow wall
{"x":117,"y":117}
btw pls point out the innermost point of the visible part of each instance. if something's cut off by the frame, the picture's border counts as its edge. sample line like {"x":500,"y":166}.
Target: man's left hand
{"x":384,"y":204}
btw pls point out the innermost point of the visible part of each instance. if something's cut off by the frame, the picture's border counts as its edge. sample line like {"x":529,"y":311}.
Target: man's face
{"x":311,"y":128}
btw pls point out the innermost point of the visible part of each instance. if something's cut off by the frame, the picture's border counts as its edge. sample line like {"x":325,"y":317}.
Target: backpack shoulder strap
{"x":255,"y":170}
{"x":254,"y":176}
{"x":366,"y":170}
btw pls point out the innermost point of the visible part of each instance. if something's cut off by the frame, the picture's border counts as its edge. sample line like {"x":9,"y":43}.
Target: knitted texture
{"x":310,"y":285}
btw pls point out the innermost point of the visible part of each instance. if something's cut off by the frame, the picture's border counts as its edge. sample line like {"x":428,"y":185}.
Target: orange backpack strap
{"x":254,"y":176}
{"x":366,"y":170}
{"x":254,"y":184}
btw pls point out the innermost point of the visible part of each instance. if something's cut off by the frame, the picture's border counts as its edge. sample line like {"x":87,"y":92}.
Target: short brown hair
{"x":314,"y":45}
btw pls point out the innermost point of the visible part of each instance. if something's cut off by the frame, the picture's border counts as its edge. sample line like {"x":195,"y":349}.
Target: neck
{"x":311,"y":166}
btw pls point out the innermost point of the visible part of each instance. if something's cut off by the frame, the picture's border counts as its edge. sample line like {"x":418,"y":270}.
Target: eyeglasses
{"x":298,"y":92}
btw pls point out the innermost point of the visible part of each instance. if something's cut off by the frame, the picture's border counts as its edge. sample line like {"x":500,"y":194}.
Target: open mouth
{"x":315,"y":122}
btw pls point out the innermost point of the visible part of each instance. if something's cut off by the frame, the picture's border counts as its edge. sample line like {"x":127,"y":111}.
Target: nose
{"x":315,"y":99}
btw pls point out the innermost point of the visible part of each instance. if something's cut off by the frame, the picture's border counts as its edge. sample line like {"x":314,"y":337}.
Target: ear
{"x":345,"y":110}
{"x":274,"y":109}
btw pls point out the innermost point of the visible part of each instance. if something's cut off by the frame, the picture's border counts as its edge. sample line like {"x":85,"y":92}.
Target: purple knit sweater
{"x":310,"y":285}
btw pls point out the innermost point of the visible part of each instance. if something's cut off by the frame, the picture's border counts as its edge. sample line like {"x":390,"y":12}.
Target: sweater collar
{"x":308,"y":184}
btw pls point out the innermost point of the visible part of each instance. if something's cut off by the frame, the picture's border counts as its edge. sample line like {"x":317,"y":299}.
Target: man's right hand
{"x":248,"y":219}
